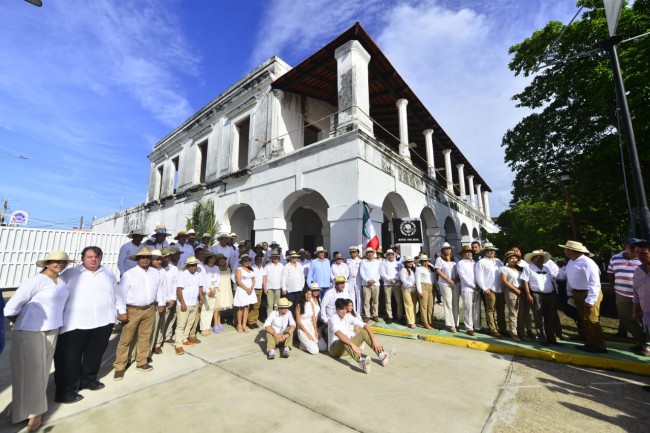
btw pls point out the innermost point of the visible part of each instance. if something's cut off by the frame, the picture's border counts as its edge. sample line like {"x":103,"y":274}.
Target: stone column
{"x":470,"y":182}
{"x":448,"y":173}
{"x":403,"y":129}
{"x":486,"y":204}
{"x":479,"y":200}
{"x":461,"y":180}
{"x":428,"y":140}
{"x":353,"y":92}
{"x":272,"y":229}
{"x":277,"y":144}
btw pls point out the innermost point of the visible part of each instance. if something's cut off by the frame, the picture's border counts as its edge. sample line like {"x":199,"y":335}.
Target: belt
{"x":542,"y":293}
{"x":137,"y":307}
{"x":580,"y":290}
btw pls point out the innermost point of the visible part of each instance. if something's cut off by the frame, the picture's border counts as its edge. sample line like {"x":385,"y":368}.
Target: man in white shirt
{"x":186,"y":249}
{"x":88,"y":320}
{"x":369,"y":270}
{"x":293,"y":279}
{"x":583,"y":284}
{"x":190,"y":290}
{"x":279,"y":327}
{"x":539,"y":287}
{"x":342,"y":338}
{"x":272,"y":282}
{"x":354,"y":280}
{"x":159,"y":241}
{"x":124,"y":263}
{"x":328,"y":307}
{"x":168,"y":317}
{"x":389,"y":271}
{"x":140,"y":290}
{"x":469,"y":291}
{"x":488,"y":280}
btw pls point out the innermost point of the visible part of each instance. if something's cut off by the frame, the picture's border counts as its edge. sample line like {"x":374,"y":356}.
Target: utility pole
{"x":81,"y":223}
{"x":5,"y":205}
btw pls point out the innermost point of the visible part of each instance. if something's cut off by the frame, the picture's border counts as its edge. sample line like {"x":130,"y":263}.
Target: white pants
{"x":207,"y":312}
{"x":356,"y":293}
{"x":472,"y":310}
{"x":311,"y":346}
{"x":451,"y":302}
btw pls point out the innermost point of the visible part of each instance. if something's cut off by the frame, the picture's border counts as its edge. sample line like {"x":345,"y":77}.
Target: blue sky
{"x":88,"y":87}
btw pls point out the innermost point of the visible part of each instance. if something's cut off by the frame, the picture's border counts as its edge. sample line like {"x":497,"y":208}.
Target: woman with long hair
{"x":224,"y":298}
{"x":409,"y":292}
{"x":244,"y":293}
{"x":445,"y":267}
{"x":306,"y":318}
{"x":36,"y":311}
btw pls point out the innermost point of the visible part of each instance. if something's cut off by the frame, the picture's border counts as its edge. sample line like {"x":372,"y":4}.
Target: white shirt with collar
{"x":92,"y":300}
{"x":191,"y":284}
{"x":488,"y":275}
{"x":389,"y":270}
{"x":187,"y":251}
{"x":345,"y":325}
{"x":280,"y":323}
{"x":539,"y":280}
{"x":293,"y":278}
{"x":124,"y":263}
{"x":273,"y":274}
{"x":466,"y":272}
{"x":583,"y":274}
{"x":140,"y":288}
{"x":38,"y":303}
{"x":328,"y":307}
{"x":369,"y":270}
{"x":171,"y":278}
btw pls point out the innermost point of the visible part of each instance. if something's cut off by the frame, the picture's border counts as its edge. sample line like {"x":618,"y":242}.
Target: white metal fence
{"x":20,"y":248}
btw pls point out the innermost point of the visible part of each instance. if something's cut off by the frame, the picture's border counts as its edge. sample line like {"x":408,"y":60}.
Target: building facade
{"x":290,"y":154}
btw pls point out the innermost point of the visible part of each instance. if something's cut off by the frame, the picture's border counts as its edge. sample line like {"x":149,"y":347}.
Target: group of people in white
{"x":169,"y":292}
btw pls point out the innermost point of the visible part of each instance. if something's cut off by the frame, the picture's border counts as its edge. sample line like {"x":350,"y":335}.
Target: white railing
{"x":20,"y":248}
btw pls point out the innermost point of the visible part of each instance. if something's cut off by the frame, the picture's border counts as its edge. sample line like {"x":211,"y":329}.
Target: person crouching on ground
{"x":279,"y":327}
{"x":342,"y":338}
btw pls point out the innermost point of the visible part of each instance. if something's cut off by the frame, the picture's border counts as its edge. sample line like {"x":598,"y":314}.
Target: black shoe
{"x":620,"y":334}
{"x":94,"y":386}
{"x":68,"y":399}
{"x":592,"y":349}
{"x":636,"y":348}
{"x":388,"y":320}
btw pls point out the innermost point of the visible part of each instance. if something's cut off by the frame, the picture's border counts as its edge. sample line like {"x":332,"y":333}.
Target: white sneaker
{"x":386,"y":357}
{"x":271,"y":354}
{"x":363,"y":346}
{"x":285,"y":353}
{"x":364,"y":364}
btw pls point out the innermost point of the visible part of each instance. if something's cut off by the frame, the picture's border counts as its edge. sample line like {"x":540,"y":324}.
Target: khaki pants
{"x":426,"y":304}
{"x":338,"y":348}
{"x":590,"y":318}
{"x":140,"y":327}
{"x":512,"y":301}
{"x":371,"y":301}
{"x":272,"y":298}
{"x":254,"y":310}
{"x":168,"y":326}
{"x":544,"y":309}
{"x":185,"y":323}
{"x":624,"y":306}
{"x":389,"y":292}
{"x":410,"y":304}
{"x":272,"y":343}
{"x":495,"y":306}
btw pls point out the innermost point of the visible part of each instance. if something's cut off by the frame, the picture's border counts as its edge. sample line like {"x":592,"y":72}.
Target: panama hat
{"x":161,"y":230}
{"x":180,"y":233}
{"x":284,"y":303}
{"x":142,"y":252}
{"x":244,"y":257}
{"x":318,"y":250}
{"x":314,"y":286}
{"x":408,"y":259}
{"x":54,"y":256}
{"x":340,"y":279}
{"x":293,"y":253}
{"x":390,"y":251}
{"x":233,"y":235}
{"x":275,"y":252}
{"x":206,"y":235}
{"x":191,"y":232}
{"x":156,"y":253}
{"x":575,"y":246}
{"x":136,"y":232}
{"x":510,"y":254}
{"x":424,"y":258}
{"x":223,"y":235}
{"x":191,"y":261}
{"x":489,"y":246}
{"x":353,"y":248}
{"x":528,"y":257}
{"x":446,"y":245}
{"x":370,"y":250}
{"x":168,"y":251}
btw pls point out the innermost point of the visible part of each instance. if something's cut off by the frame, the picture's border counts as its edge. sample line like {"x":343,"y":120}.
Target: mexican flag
{"x":370,"y":238}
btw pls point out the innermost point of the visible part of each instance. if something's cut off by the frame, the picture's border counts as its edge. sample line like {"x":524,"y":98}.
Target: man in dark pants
{"x":88,"y":320}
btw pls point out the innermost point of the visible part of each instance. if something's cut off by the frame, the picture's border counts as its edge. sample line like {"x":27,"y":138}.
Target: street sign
{"x":19,"y":218}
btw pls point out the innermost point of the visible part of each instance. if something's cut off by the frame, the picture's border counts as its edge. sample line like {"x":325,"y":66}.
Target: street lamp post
{"x":565,"y":178}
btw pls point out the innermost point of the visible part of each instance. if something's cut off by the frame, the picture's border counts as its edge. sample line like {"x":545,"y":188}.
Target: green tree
{"x":202,"y":219}
{"x":574,"y":125}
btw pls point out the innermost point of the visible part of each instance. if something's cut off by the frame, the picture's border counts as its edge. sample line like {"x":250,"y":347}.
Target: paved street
{"x":226,"y":384}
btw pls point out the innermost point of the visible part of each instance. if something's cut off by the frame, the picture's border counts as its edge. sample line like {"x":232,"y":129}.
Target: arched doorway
{"x":464,"y":234}
{"x":393,"y":206}
{"x":451,"y":233}
{"x":241,"y":221}
{"x":306,"y":214}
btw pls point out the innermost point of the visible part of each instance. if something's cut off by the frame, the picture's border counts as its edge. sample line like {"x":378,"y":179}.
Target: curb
{"x":601,"y":362}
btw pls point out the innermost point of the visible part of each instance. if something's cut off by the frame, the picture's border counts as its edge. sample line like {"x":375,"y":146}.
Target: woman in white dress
{"x":36,"y":311}
{"x":445,"y":267}
{"x":224,"y":296}
{"x":244,"y":293}
{"x":212,"y":278}
{"x":306,"y":318}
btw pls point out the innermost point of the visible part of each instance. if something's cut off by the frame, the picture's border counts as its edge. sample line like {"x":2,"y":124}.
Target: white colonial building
{"x":290,"y":154}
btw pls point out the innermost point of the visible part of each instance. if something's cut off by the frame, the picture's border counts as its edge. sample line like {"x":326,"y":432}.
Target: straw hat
{"x":340,"y":279}
{"x":222,"y":236}
{"x":180,"y":233}
{"x":353,"y":248}
{"x":191,"y":261}
{"x":390,"y":251}
{"x":137,"y":232}
{"x":370,"y":250}
{"x":510,"y":254}
{"x":529,"y":257}
{"x":408,"y":259}
{"x":275,"y":252}
{"x":142,"y":252}
{"x":446,"y":245}
{"x":284,"y":303}
{"x":575,"y":246}
{"x":191,"y":232}
{"x":319,"y":250}
{"x":233,"y":235}
{"x":424,"y":258}
{"x":244,"y":257}
{"x":206,"y":235}
{"x":489,"y":246}
{"x":54,"y":256}
{"x":156,"y":254}
{"x":161,"y":230}
{"x":314,"y":286}
{"x":293,"y":253}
